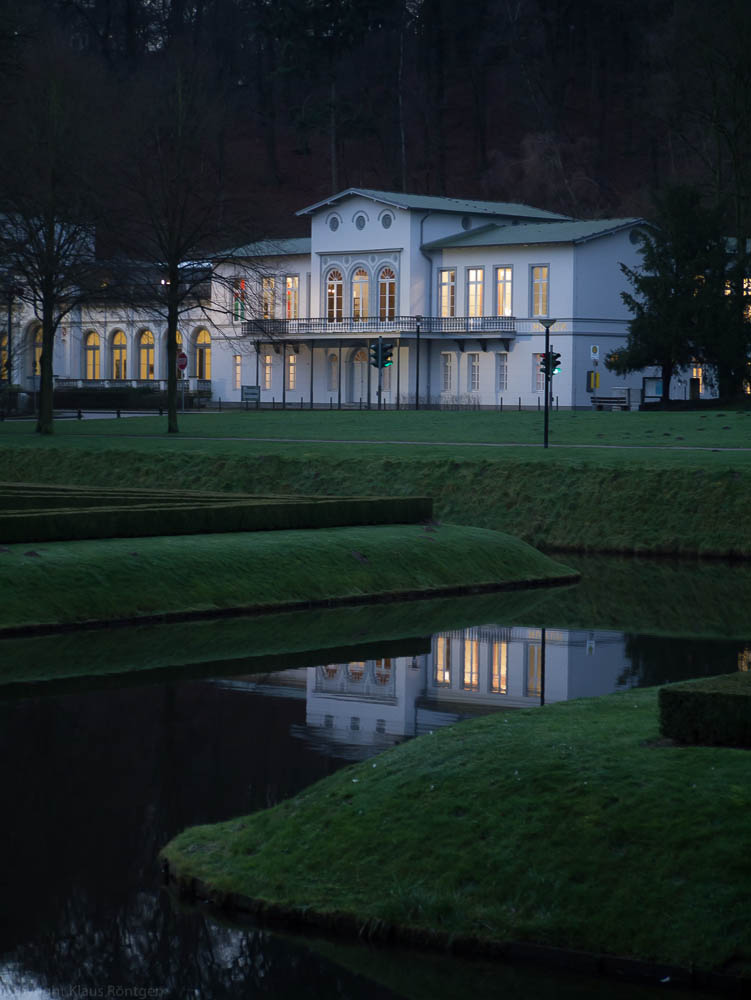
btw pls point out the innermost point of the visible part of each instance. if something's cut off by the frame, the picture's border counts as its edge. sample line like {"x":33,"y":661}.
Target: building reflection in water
{"x":358,"y":708}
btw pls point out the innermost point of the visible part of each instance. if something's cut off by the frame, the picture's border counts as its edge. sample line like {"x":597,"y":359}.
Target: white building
{"x":457,"y":289}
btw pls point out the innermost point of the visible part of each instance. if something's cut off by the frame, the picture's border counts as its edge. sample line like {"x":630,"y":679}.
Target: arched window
{"x":178,"y":349}
{"x":334,"y":291}
{"x":36,"y":355}
{"x":93,"y":370}
{"x":203,"y":354}
{"x":332,"y":373}
{"x":119,"y":355}
{"x":360,"y":285}
{"x":146,"y":356}
{"x":386,"y":294}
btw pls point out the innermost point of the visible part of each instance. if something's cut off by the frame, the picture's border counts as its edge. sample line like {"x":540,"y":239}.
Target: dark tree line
{"x":171,"y":128}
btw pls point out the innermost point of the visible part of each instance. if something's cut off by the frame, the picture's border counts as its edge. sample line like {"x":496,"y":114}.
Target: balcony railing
{"x":347,"y":326}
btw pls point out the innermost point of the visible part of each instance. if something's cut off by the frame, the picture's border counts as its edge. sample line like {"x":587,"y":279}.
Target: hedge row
{"x":138,"y":520}
{"x":711,"y":711}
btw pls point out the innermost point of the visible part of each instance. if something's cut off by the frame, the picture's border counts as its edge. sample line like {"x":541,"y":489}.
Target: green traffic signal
{"x":555,"y":363}
{"x":387,"y":355}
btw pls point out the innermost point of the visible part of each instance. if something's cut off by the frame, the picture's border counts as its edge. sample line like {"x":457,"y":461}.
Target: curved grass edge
{"x":669,"y":902}
{"x":72,"y":585}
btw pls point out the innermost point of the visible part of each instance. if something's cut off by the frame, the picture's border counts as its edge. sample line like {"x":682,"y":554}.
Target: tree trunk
{"x":666,"y":371}
{"x":45,"y":414}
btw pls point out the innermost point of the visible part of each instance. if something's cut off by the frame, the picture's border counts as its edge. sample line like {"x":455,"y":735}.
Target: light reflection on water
{"x":100,"y":780}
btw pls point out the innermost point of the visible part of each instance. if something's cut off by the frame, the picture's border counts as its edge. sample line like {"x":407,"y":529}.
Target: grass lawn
{"x":74,"y":582}
{"x":571,"y":826}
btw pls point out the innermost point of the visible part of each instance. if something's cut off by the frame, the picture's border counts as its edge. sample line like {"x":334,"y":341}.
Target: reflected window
{"x":533,"y":682}
{"x":382,"y":671}
{"x":119,"y":355}
{"x":93,"y":342}
{"x":471,"y":672}
{"x":146,"y":356}
{"x":356,"y":670}
{"x":447,"y":372}
{"x":292,"y":371}
{"x":237,"y":367}
{"x":501,"y":371}
{"x":498,"y":676}
{"x":267,"y":371}
{"x":238,"y":300}
{"x":442,"y":671}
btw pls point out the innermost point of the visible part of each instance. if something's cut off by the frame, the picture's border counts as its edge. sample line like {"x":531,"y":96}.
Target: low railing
{"x":452,"y":325}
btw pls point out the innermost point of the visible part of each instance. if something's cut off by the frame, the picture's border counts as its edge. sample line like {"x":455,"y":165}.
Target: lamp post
{"x":547,"y":323}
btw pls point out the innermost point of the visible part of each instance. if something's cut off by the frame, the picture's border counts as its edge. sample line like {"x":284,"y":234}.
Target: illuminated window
{"x":386,"y":294}
{"x":238,"y":299}
{"x":179,"y":347}
{"x":37,"y":352}
{"x":475,"y":277}
{"x":292,"y":296}
{"x":360,"y":286}
{"x":146,"y":356}
{"x":447,"y":372}
{"x":498,"y":677}
{"x":93,"y":370}
{"x":267,"y":298}
{"x":540,"y":290}
{"x":292,"y":371}
{"x":203,"y":354}
{"x":533,"y":684}
{"x":334,"y":293}
{"x":446,"y":292}
{"x":119,"y":356}
{"x":744,"y":659}
{"x":237,"y":364}
{"x":501,"y":371}
{"x":442,"y":662}
{"x":471,"y":673}
{"x":267,"y":371}
{"x":698,"y":373}
{"x":503,"y":291}
{"x":4,"y":357}
{"x":330,"y":670}
{"x":538,"y":376}
{"x":332,"y":373}
{"x":473,"y":372}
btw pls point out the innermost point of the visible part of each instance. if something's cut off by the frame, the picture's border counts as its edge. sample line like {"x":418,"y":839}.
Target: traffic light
{"x":544,"y":363}
{"x":387,"y":355}
{"x":555,"y":363}
{"x":375,"y":354}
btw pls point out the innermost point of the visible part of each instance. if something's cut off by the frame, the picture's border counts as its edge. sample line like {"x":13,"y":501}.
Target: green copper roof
{"x":548,"y":232}
{"x":274,"y":248}
{"x":430,"y":203}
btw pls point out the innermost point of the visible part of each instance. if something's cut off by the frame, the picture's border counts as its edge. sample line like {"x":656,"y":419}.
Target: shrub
{"x":713,"y":710}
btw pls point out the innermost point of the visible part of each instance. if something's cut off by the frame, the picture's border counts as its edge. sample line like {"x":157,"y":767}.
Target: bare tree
{"x":47,"y":193}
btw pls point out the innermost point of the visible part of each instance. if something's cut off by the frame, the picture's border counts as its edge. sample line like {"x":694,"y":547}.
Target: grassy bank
{"x":571,"y":826}
{"x":75,"y":582}
{"x":584,"y":502}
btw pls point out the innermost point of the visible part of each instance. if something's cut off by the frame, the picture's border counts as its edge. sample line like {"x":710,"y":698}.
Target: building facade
{"x":455,"y":289}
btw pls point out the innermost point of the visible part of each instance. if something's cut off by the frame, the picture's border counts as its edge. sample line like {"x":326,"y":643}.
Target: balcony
{"x":449,"y":326}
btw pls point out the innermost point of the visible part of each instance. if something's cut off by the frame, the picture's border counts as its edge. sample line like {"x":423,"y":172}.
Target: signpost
{"x":250,"y":394}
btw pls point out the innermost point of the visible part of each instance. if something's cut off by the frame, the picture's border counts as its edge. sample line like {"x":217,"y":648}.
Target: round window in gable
{"x":386,"y":220}
{"x":360,"y":221}
{"x":333,"y":223}
{"x":466,"y":222}
{"x":636,"y":236}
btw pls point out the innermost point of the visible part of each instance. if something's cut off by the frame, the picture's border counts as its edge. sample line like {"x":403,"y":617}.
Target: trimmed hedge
{"x":58,"y":514}
{"x":712,"y":711}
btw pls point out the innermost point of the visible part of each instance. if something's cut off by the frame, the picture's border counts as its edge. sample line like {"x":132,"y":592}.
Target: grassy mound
{"x":76,"y":582}
{"x":571,"y":826}
{"x":590,"y":502}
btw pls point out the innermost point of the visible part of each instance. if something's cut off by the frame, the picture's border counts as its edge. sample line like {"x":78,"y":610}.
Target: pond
{"x":98,"y":772}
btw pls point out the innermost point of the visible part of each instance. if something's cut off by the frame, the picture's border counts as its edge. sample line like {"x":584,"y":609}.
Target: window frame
{"x":267,"y":370}
{"x":334,"y":296}
{"x":543,"y":285}
{"x":508,"y":290}
{"x":292,"y":296}
{"x":447,"y":368}
{"x":268,"y":297}
{"x":475,"y":291}
{"x":501,"y":371}
{"x":473,"y":371}
{"x":447,"y":287}
{"x":93,"y":356}
{"x":237,"y":370}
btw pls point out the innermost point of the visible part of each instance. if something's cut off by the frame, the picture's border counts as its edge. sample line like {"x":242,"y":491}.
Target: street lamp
{"x":547,"y":323}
